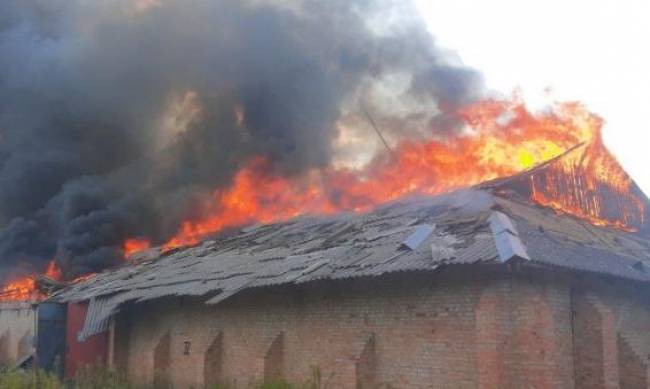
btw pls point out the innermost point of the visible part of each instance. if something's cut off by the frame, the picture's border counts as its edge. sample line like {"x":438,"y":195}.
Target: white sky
{"x":595,"y":51}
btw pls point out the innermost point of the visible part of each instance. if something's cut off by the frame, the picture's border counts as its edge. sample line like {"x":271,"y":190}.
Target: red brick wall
{"x":632,"y":370}
{"x":424,"y":333}
{"x":588,"y":341}
{"x":524,"y":334}
{"x":456,"y":329}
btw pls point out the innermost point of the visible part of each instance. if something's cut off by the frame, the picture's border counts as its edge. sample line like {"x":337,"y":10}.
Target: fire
{"x":504,"y":139}
{"x":134,"y":245}
{"x":53,"y":271}
{"x":83,"y":278}
{"x":25,"y":288}
{"x":589,"y":184}
{"x":22,"y":289}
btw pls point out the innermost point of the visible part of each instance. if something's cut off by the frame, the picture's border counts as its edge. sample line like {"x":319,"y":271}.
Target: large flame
{"x":21,"y":289}
{"x":504,"y":138}
{"x":590,"y":184}
{"x":134,"y":245}
{"x":25,"y":288}
{"x":53,"y":271}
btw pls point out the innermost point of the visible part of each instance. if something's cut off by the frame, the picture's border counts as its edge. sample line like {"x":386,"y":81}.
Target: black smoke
{"x":117,"y":118}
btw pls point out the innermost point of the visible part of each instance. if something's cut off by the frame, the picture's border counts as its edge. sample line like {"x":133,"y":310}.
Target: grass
{"x":100,"y":378}
{"x":87,"y":379}
{"x":21,"y":379}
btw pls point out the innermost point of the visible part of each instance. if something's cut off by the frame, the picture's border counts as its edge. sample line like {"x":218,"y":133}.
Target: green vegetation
{"x":100,"y":378}
{"x":20,"y":379}
{"x":87,"y":379}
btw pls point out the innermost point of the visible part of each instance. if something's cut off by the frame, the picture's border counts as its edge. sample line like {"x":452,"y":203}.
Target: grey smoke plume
{"x":117,"y":118}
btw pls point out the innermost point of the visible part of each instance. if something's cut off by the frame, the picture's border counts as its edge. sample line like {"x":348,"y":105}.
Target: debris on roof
{"x":506,"y":238}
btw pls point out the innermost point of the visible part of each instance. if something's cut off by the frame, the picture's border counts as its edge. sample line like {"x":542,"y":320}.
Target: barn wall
{"x":612,"y":335}
{"x":16,"y":331}
{"x":456,"y":329}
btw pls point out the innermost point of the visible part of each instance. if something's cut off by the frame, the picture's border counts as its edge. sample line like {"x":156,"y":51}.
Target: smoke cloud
{"x":118,"y":118}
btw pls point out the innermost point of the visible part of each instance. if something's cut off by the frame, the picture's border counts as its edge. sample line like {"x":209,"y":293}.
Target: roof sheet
{"x":417,"y":234}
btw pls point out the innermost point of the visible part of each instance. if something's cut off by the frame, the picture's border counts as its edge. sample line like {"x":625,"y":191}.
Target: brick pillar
{"x":213,"y":362}
{"x":366,"y":366}
{"x":492,"y":322}
{"x":595,"y":344}
{"x":358,"y":369}
{"x":274,"y":360}
{"x":633,"y":372}
{"x":162,"y":361}
{"x":610,"y":348}
{"x":523,"y":337}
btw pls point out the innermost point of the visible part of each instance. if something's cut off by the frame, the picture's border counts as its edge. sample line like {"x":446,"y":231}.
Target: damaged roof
{"x":492,"y":223}
{"x":418,"y":234}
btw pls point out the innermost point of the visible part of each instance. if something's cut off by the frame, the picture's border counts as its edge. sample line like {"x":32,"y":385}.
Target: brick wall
{"x":611,"y":334}
{"x":589,"y":371}
{"x":16,"y":331}
{"x":323,"y":329}
{"x":632,"y":369}
{"x":462,"y":328}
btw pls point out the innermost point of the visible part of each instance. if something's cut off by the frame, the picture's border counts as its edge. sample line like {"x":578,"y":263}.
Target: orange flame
{"x":22,"y":289}
{"x":53,"y":271}
{"x":132,"y":246}
{"x":590,"y":184}
{"x":25,"y":289}
{"x":504,"y":139}
{"x":85,"y":277}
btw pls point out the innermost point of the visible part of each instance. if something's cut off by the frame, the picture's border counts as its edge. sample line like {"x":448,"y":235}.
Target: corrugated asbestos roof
{"x":419,"y":234}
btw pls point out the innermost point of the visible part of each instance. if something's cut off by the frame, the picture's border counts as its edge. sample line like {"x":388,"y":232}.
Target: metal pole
{"x":374,"y":126}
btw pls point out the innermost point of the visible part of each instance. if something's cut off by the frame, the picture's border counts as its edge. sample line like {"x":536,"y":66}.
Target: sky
{"x":593,"y":51}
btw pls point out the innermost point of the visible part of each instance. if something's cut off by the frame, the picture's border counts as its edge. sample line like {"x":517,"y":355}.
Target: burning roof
{"x":209,"y":129}
{"x":585,"y":183}
{"x":493,"y":223}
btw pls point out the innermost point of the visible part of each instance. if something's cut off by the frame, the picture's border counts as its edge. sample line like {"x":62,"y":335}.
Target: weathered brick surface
{"x":524,"y":335}
{"x":632,"y":370}
{"x":213,"y":362}
{"x":588,"y":343}
{"x":457,"y":329}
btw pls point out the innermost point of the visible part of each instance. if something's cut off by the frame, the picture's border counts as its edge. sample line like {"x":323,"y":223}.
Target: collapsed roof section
{"x":494,"y":223}
{"x":586,"y":182}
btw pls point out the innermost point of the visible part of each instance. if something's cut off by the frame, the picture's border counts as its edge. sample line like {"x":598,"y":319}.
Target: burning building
{"x":482,"y":287}
{"x":208,"y":182}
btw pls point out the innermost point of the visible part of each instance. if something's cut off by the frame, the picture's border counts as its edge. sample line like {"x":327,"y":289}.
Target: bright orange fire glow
{"x":589,"y":183}
{"x":83,"y":278}
{"x":53,"y":271}
{"x":505,"y":139}
{"x":135,"y":245}
{"x":22,"y":289}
